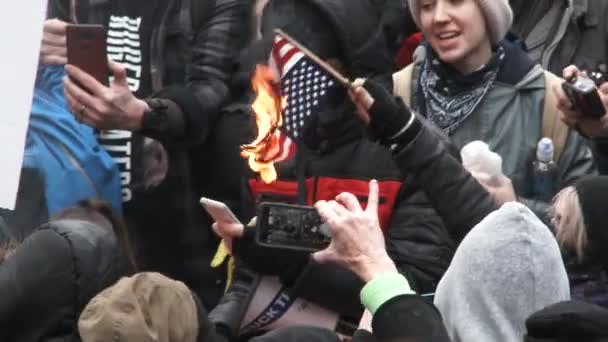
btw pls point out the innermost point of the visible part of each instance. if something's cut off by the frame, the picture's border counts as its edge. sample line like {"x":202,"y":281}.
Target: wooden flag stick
{"x":324,"y":65}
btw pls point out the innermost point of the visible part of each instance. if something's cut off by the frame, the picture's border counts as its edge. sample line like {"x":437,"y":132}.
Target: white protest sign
{"x":21,"y":24}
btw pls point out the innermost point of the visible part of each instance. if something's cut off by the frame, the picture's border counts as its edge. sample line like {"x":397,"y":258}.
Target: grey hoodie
{"x":508,"y":267}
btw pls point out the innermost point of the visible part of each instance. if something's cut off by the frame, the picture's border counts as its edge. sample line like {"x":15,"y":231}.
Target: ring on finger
{"x":80,"y":113}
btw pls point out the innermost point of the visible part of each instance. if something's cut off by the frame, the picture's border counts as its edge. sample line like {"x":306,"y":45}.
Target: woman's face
{"x":456,"y":29}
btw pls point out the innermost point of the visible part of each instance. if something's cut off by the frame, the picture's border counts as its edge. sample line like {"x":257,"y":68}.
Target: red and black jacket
{"x":416,"y":238}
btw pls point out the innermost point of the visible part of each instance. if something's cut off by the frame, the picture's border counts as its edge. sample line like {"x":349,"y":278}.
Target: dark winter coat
{"x":192,"y":55}
{"x":50,"y":278}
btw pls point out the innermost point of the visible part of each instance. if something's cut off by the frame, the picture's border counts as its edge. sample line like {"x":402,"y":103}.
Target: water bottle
{"x":544,"y":171}
{"x":481,"y":162}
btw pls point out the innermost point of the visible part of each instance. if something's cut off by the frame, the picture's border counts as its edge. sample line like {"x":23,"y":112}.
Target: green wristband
{"x":383,"y":288}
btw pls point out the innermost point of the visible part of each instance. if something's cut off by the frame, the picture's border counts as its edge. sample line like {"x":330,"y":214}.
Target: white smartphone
{"x":219,"y":211}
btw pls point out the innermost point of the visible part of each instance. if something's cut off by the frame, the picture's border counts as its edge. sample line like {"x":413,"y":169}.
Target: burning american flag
{"x":282,"y":112}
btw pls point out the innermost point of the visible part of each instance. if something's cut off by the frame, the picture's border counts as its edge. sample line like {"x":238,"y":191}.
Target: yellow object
{"x":218,"y":259}
{"x":220,"y":255}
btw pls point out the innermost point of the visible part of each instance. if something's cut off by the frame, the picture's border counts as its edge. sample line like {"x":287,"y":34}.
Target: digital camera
{"x":582,"y":92}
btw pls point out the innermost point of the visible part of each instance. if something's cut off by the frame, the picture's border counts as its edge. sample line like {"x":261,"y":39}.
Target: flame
{"x":267,"y":107}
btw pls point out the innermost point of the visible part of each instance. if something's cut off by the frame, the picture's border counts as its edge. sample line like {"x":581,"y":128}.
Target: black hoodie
{"x":50,"y":278}
{"x":568,"y":321}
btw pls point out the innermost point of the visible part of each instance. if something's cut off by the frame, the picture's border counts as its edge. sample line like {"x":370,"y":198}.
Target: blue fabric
{"x":56,"y":144}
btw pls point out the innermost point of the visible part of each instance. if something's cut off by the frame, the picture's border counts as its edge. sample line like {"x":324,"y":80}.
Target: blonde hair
{"x":569,"y":222}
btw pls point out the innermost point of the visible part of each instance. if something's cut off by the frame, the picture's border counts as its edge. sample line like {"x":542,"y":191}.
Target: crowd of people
{"x":109,"y":242}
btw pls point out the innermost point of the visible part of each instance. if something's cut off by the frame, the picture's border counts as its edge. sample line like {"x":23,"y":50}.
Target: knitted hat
{"x":593,"y":195}
{"x":147,"y":307}
{"x":498,"y":15}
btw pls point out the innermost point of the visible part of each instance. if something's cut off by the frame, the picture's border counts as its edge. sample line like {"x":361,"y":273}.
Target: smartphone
{"x":219,"y":211}
{"x":291,"y":227}
{"x":86,"y":46}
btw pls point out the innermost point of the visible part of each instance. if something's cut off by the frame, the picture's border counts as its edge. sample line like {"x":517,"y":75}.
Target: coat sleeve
{"x":440,"y":204}
{"x":418,"y":242}
{"x":457,"y":197}
{"x":193,"y":108}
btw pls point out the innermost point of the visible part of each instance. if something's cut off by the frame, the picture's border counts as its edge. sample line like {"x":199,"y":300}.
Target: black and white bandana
{"x":450,"y":97}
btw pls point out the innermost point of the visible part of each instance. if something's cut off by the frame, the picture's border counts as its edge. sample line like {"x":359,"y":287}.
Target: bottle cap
{"x":544,"y":150}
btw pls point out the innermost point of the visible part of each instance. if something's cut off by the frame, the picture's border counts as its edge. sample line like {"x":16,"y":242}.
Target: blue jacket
{"x":66,"y":153}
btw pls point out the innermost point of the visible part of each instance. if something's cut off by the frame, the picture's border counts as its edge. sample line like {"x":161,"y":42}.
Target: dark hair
{"x":100,"y":213}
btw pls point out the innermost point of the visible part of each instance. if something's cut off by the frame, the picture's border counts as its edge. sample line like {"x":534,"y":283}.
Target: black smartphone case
{"x":290,"y":227}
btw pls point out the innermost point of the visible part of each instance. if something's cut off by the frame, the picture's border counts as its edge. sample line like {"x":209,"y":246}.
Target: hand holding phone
{"x":86,"y":49}
{"x":227,"y":226}
{"x":219,"y":211}
{"x":583,"y":94}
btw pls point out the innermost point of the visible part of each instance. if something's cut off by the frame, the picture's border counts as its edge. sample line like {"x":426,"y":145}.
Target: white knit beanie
{"x":498,"y":15}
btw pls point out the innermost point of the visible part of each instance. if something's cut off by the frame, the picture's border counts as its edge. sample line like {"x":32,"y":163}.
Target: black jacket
{"x":417,"y":239}
{"x":344,"y":159}
{"x":600,"y":151}
{"x":568,"y":321}
{"x":580,"y":35}
{"x":407,"y":318}
{"x":192,"y":57}
{"x":51,"y":277}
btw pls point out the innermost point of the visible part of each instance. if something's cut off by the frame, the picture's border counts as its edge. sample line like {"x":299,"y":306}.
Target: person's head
{"x":326,"y":28}
{"x":296,"y":18}
{"x":147,"y":307}
{"x":462,"y":32}
{"x":506,"y":268}
{"x":579,"y":219}
{"x":102,"y":215}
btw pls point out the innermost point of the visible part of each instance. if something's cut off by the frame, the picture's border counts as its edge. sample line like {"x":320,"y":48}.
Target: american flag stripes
{"x":304,"y":84}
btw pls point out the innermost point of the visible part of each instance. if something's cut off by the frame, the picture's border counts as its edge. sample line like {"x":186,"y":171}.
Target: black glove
{"x":391,"y":121}
{"x":287,"y":264}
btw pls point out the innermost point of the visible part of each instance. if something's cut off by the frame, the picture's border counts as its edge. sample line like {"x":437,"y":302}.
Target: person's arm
{"x":194,"y":107}
{"x":394,"y":306}
{"x":418,"y":241}
{"x":329,"y":285}
{"x":358,"y":245}
{"x":418,"y":150}
{"x":592,"y":128}
{"x":179,"y":114}
{"x":458,"y":199}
